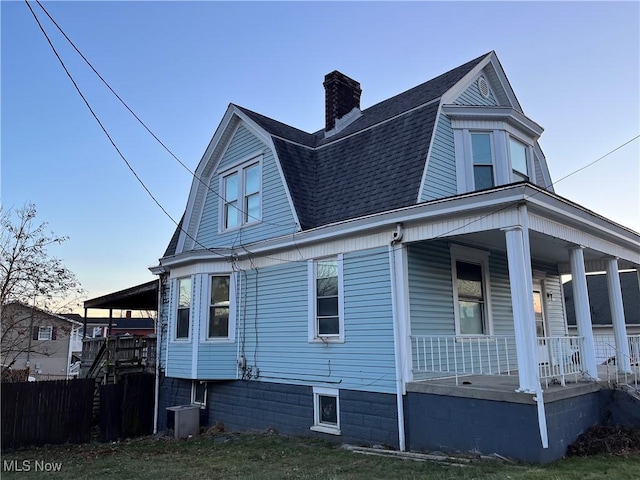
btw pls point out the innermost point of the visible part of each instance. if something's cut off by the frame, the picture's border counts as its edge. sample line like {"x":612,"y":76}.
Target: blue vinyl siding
{"x":440,"y":177}
{"x":274,"y":336}
{"x":472,"y":96}
{"x":277,"y":216}
{"x":431,"y":290}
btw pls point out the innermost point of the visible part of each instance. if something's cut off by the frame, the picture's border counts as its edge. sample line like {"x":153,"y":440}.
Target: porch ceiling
{"x":544,"y":248}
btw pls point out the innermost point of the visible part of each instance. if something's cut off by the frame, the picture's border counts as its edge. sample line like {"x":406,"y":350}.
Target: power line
{"x":104,"y":130}
{"x":144,"y":125}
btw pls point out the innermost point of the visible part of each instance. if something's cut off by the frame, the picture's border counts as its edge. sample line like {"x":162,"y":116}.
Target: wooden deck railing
{"x":119,"y":352}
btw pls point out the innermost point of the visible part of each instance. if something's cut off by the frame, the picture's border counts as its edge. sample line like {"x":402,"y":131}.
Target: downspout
{"x":399,"y":359}
{"x":156,"y":407}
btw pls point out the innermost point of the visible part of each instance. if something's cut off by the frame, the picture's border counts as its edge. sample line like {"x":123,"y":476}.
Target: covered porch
{"x":484,"y":300}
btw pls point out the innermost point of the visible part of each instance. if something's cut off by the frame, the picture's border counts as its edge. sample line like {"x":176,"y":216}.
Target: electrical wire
{"x":113,"y":143}
{"x":144,"y":125}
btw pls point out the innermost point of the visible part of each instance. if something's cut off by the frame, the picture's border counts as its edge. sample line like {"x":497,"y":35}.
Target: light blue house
{"x":391,"y":279}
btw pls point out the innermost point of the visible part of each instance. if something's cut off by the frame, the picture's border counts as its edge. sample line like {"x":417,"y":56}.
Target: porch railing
{"x":451,"y":356}
{"x":438,"y":356}
{"x":560,"y":358}
{"x":630,"y":378}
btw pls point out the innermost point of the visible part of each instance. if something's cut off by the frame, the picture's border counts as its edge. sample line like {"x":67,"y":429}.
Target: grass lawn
{"x":263,"y":456}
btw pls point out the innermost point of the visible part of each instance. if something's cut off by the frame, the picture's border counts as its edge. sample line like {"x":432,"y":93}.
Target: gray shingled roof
{"x":599,"y":299}
{"x":373,"y":165}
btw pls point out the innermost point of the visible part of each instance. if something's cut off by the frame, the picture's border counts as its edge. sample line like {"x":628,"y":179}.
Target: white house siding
{"x":440,"y":176}
{"x":277,"y":217}
{"x":275,"y":337}
{"x":472,"y":96}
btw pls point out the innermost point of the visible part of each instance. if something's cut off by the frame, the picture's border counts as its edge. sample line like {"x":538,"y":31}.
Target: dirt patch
{"x":601,"y":439}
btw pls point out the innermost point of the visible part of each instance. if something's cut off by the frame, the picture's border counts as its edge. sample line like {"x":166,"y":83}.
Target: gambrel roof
{"x":374,"y":162}
{"x":372,"y":165}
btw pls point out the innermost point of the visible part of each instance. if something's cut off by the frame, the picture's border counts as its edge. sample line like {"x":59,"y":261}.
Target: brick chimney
{"x":342,"y":95}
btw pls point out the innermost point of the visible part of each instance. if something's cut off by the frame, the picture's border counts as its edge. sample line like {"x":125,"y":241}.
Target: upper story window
{"x":482,"y":154}
{"x":45,"y":333}
{"x":326,"y":312}
{"x":493,"y":146}
{"x":241,"y":195}
{"x":518,"y":156}
{"x":219,"y":307}
{"x":184,"y":308}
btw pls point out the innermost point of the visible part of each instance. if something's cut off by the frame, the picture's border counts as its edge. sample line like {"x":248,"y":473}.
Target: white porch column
{"x":617,"y":316}
{"x":522,"y":305}
{"x":583,"y":310}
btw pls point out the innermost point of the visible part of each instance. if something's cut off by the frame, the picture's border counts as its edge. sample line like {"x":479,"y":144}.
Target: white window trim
{"x":317,"y":425}
{"x":313,"y":325}
{"x":49,"y":329}
{"x":194,"y":384}
{"x":502,"y":123}
{"x":481,"y":257}
{"x":231,"y":338}
{"x":239,"y":168}
{"x":531,"y":171}
{"x":174,"y":310}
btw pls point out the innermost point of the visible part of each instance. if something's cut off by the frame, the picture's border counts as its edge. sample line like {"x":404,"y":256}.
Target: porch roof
{"x":139,"y":297}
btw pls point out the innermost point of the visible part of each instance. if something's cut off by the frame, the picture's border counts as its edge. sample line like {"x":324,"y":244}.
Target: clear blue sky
{"x":575,"y":68}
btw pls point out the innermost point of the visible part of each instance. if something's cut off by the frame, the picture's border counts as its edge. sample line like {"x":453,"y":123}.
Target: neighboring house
{"x":329,"y":283}
{"x":38,"y":340}
{"x":601,"y":310}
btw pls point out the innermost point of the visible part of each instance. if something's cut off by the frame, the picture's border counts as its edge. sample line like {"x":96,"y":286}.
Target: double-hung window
{"x":219,"y":307}
{"x":241,"y":195}
{"x":482,"y":153}
{"x":183,"y":308}
{"x":326,"y":300}
{"x":518,"y":155}
{"x":45,"y":333}
{"x":470,"y":274}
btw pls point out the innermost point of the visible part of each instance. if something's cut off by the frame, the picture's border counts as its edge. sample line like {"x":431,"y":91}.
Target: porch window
{"x":326,"y":410}
{"x":184,"y":308}
{"x":326,"y":318}
{"x":470,"y":288}
{"x":219,"y":307}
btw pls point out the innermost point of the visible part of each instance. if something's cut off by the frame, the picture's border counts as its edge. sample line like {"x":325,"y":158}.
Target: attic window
{"x":483,"y":86}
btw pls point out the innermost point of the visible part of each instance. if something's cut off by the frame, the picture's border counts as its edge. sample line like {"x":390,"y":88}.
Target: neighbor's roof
{"x":373,"y":165}
{"x":599,"y":299}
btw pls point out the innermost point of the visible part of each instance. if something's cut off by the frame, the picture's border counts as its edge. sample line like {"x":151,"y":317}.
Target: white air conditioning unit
{"x":183,"y":420}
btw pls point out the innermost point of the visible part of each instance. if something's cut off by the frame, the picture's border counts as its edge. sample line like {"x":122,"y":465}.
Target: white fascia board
{"x":504,"y":81}
{"x":458,"y":89}
{"x":196,"y":185}
{"x":268,"y":140}
{"x":504,"y":114}
{"x":462,"y":204}
{"x":582,"y":218}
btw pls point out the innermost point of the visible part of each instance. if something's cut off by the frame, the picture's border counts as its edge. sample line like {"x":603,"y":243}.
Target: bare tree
{"x":30,"y":276}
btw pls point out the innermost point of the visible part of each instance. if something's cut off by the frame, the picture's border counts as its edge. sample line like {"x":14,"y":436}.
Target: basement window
{"x":199,"y":393}
{"x":326,"y":410}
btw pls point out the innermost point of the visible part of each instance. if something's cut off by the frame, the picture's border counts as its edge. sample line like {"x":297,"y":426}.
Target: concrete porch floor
{"x":502,"y":388}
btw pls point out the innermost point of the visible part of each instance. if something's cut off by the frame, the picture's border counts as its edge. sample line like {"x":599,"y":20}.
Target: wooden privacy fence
{"x":37,"y":413}
{"x":126,"y":408}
